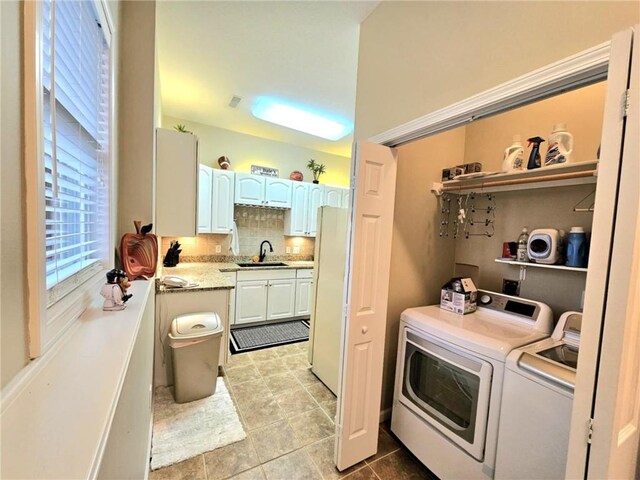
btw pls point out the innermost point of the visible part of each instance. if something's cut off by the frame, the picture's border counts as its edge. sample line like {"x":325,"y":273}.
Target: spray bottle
{"x":513,"y":159}
{"x":534,"y":157}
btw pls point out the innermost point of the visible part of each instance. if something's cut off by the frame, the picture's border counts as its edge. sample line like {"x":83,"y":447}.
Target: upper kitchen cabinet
{"x":336,"y":197}
{"x":176,"y":184}
{"x":262,"y":191}
{"x":301,"y":220}
{"x":215,"y":200}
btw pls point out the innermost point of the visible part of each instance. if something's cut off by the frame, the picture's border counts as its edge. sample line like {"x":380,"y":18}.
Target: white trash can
{"x":195,"y":349}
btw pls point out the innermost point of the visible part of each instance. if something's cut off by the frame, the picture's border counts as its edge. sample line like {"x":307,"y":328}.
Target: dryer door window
{"x":449,"y":390}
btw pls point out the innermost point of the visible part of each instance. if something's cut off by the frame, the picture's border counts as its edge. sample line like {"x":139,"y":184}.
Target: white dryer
{"x":449,"y":379}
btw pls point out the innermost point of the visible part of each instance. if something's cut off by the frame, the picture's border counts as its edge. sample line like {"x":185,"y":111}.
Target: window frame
{"x":47,"y":325}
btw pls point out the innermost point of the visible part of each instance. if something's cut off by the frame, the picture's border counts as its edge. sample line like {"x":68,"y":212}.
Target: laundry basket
{"x":195,"y":350}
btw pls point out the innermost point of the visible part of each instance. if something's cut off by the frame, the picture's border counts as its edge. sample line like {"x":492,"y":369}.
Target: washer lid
{"x":195,"y":325}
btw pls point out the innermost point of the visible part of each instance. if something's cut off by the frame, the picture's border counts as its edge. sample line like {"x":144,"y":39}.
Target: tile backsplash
{"x":254,"y":225}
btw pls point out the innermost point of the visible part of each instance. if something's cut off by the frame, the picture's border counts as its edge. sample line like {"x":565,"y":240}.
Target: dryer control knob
{"x":485,"y":299}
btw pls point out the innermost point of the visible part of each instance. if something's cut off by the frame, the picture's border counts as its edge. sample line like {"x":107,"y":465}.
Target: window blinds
{"x":76,"y":124}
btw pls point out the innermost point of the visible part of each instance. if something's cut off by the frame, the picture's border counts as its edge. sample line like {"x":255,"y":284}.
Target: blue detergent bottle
{"x":534,"y":157}
{"x":577,"y":248}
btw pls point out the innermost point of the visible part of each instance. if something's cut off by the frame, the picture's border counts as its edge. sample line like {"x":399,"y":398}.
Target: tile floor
{"x":288,"y":416}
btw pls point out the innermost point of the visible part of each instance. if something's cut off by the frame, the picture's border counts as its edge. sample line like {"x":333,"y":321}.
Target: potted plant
{"x":180,"y":127}
{"x":317,"y":169}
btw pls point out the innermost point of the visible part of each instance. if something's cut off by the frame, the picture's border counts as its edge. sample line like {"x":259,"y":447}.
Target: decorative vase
{"x":296,"y":175}
{"x":316,"y":181}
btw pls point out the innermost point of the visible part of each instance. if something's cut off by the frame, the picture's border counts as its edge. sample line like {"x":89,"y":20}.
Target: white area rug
{"x":182,"y":431}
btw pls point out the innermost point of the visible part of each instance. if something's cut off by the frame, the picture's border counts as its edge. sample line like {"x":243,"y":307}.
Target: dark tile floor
{"x":288,"y":416}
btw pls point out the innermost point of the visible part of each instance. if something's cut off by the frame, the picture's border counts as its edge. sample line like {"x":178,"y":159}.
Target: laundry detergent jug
{"x":513,"y":159}
{"x":560,"y":146}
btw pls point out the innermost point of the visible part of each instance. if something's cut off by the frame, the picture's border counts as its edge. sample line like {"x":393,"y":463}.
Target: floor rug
{"x":184,"y":430}
{"x":265,"y":336}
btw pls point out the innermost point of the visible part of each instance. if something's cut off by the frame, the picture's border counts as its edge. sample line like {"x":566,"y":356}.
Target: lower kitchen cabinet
{"x":270,"y":295}
{"x":251,"y":301}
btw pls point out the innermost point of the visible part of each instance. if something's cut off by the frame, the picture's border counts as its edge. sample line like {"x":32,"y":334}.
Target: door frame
{"x":582,"y":69}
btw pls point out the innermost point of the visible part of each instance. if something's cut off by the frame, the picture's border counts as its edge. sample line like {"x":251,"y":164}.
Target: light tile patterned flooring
{"x":288,"y":416}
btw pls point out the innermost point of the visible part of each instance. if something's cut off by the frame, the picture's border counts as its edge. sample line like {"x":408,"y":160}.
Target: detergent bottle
{"x":534,"y":156}
{"x":560,"y":146}
{"x":513,"y":159}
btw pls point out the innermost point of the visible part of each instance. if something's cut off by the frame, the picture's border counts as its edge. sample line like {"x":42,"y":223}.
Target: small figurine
{"x":115,"y":290}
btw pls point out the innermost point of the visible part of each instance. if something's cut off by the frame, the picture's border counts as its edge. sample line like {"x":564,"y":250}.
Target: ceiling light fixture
{"x":301,"y":118}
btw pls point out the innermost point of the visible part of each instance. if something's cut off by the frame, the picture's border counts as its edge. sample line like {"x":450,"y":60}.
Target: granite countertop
{"x":209,"y":276}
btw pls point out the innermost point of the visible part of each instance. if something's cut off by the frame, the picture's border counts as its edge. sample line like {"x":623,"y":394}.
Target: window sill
{"x":57,"y":416}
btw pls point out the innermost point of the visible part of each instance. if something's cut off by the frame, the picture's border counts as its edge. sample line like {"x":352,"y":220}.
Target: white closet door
{"x":616,"y":419}
{"x":362,"y":346}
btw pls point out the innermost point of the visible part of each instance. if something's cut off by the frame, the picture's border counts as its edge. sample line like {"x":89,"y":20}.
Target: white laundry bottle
{"x":513,"y":159}
{"x":560,"y":146}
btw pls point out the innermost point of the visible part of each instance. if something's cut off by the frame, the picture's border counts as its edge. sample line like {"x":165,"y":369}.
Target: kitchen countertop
{"x":209,"y":276}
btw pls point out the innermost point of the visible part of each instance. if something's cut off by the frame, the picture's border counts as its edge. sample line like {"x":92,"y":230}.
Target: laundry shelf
{"x":557,"y":176}
{"x":540,"y":265}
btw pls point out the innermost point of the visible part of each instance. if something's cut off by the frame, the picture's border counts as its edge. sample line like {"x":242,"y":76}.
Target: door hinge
{"x":626,"y":103}
{"x":589,"y":431}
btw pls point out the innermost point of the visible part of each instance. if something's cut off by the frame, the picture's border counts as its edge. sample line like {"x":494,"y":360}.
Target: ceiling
{"x":304,"y":52}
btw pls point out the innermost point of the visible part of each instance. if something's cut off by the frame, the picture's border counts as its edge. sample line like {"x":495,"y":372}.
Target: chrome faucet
{"x":263,"y":253}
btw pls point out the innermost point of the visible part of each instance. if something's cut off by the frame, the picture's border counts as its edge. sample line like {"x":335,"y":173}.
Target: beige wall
{"x":421,"y":261}
{"x":13,"y":304}
{"x":246,"y":150}
{"x":417,"y":57}
{"x":136,"y":104}
{"x":581,"y":110}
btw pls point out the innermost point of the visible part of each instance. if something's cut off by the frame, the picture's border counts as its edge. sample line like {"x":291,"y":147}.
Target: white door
{"x":222,"y":202}
{"x":616,"y":411}
{"x":281,"y":299}
{"x":278,"y":192}
{"x":316,"y":197}
{"x":205,"y":182}
{"x":362,"y":347}
{"x":295,"y":220}
{"x":333,"y":196}
{"x":249,"y":189}
{"x":303,"y":296}
{"x":251,"y":301}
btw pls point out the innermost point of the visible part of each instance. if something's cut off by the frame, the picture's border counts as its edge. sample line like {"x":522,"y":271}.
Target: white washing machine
{"x":449,"y":380}
{"x":537,"y":398}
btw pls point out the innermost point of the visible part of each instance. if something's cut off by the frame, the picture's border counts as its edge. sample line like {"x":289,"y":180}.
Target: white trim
{"x":577,"y":70}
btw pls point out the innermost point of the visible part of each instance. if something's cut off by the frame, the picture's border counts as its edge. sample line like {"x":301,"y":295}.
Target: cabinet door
{"x":176,"y":184}
{"x":278,"y":192}
{"x":345,"y":197}
{"x":251,"y":301}
{"x":249,"y":189}
{"x":231,"y":276}
{"x":333,"y":196}
{"x":205,"y":179}
{"x":316,"y":197}
{"x":281,"y":299}
{"x":295,"y":220}
{"x":222,"y":203}
{"x":303,"y":296}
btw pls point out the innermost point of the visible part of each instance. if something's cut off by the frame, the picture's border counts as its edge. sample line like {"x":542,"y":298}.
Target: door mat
{"x":247,"y":339}
{"x":184,"y":430}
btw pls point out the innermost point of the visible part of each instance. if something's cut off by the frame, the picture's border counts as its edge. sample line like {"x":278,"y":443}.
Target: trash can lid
{"x":196,"y":325}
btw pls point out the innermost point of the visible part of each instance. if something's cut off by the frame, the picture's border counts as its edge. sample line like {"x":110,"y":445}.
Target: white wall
{"x":245,"y":150}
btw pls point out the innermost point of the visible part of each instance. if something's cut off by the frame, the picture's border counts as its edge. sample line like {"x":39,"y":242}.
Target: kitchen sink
{"x":263,"y":264}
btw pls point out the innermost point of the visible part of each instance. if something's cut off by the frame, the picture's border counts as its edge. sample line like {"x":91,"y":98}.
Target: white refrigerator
{"x":330,"y":259}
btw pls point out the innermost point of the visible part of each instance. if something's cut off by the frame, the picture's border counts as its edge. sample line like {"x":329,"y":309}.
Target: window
{"x":71,"y":160}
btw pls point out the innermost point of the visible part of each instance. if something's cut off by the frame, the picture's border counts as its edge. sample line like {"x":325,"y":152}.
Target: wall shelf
{"x":559,"y":176}
{"x":540,"y":265}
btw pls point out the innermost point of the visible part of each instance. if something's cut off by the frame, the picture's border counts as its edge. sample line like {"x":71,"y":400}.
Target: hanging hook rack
{"x":578,"y":208}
